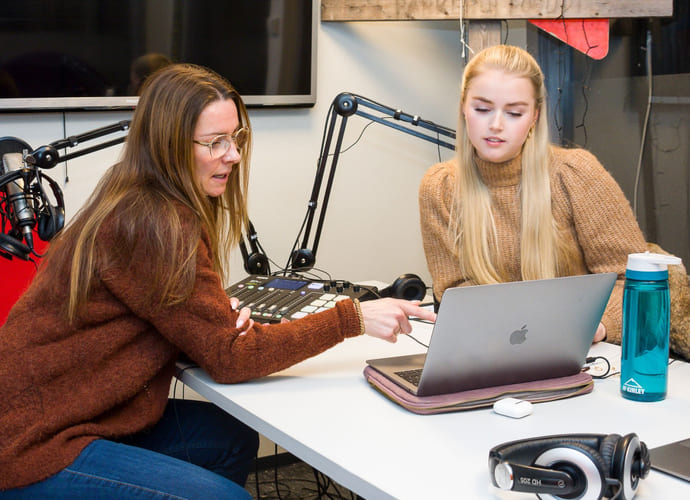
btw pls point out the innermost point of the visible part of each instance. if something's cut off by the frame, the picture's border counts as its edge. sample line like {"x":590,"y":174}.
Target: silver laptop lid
{"x":506,"y":333}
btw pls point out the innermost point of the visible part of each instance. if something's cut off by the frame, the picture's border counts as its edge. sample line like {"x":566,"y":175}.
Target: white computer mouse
{"x":513,"y":407}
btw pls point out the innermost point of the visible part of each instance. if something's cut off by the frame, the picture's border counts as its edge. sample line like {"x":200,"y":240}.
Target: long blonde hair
{"x":472,"y":225}
{"x":155,"y":175}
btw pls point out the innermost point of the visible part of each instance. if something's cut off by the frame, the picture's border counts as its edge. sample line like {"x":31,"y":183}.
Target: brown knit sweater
{"x":585,"y":199}
{"x":63,"y":386}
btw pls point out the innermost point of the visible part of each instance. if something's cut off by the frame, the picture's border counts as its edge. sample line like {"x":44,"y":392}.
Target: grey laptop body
{"x":673,"y":459}
{"x":506,"y":333}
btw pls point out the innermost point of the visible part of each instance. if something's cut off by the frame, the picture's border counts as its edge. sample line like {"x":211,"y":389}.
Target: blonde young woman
{"x":87,"y":354}
{"x":511,"y":206}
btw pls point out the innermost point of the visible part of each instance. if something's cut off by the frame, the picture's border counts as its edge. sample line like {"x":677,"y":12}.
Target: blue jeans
{"x":196,"y":451}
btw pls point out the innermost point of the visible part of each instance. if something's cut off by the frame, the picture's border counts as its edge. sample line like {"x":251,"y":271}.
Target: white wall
{"x":372,"y":225}
{"x":371,"y":229}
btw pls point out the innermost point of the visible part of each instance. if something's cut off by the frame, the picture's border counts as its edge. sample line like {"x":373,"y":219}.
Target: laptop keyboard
{"x":412,"y":376}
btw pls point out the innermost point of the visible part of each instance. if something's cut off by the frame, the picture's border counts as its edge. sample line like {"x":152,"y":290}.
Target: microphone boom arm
{"x":345,"y":105}
{"x":21,"y":186}
{"x":47,"y":157}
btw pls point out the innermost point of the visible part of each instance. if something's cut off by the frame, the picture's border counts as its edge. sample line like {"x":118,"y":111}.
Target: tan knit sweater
{"x":585,"y":199}
{"x":64,"y":385}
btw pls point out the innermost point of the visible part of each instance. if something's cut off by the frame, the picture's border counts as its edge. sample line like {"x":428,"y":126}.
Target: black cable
{"x":561,"y":83}
{"x":288,"y":487}
{"x":584,"y":88}
{"x":590,"y":361}
{"x":64,"y":134}
{"x":410,"y":336}
{"x":615,"y":483}
{"x":317,"y":478}
{"x":294,"y":246}
{"x":275,"y":265}
{"x":275,"y":470}
{"x":372,"y":290}
{"x":359,"y":137}
{"x":310,"y":274}
{"x":324,"y":483}
{"x":256,"y":478}
{"x":177,"y":415}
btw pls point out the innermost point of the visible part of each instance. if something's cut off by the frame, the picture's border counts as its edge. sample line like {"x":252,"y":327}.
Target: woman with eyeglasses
{"x":88,"y":353}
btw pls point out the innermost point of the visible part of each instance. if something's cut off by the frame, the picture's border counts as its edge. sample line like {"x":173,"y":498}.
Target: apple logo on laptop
{"x":519,"y":336}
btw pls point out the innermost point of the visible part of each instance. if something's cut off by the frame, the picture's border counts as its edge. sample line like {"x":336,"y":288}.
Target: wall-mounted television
{"x":84,"y":54}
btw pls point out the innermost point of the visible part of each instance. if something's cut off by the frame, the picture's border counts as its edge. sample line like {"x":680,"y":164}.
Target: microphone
{"x":24,"y":217}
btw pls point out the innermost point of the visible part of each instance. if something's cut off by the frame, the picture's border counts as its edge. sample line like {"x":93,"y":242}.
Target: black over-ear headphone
{"x":583,"y":466}
{"x":408,"y":286}
{"x":257,"y":261}
{"x":51,"y":218}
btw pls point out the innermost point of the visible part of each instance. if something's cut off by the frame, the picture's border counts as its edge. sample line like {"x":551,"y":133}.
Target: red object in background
{"x":589,"y":36}
{"x":16,"y":276}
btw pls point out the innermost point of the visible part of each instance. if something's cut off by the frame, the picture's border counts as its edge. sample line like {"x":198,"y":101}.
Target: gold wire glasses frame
{"x":220,"y":144}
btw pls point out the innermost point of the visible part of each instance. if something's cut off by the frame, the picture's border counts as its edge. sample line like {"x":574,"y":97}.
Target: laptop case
{"x":535,"y":391}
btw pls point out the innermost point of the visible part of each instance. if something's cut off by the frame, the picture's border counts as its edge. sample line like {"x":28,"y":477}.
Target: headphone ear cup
{"x":610,"y":450}
{"x":630,"y":463}
{"x":50,"y":222}
{"x":13,"y":247}
{"x":408,"y":287}
{"x":583,"y":462}
{"x":607,"y":449}
{"x":59,"y":219}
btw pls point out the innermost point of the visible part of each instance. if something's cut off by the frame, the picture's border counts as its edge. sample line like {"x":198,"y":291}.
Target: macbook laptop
{"x":673,"y":458}
{"x":506,"y":333}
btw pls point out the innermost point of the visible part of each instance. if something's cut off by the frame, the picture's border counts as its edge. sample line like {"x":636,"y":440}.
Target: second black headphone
{"x":408,"y":286}
{"x":50,"y":218}
{"x":583,"y":466}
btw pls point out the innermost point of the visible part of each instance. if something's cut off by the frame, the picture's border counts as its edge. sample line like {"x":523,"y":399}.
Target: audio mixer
{"x":272,"y":298}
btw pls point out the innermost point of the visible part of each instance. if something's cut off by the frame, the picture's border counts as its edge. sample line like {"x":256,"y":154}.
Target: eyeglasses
{"x":220,"y":144}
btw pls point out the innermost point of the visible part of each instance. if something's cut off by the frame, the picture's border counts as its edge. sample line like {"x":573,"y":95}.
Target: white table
{"x":324,"y":412}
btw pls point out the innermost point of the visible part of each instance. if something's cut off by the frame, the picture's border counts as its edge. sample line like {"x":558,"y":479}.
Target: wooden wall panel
{"x":395,"y":10}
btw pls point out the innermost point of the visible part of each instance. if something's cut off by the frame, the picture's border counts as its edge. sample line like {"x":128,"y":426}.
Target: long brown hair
{"x":544,"y":253}
{"x":155,"y":175}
